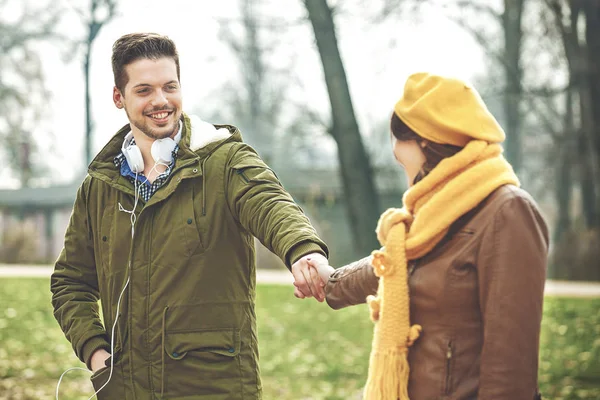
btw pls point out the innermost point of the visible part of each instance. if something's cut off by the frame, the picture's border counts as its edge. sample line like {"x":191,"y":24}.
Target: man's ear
{"x":118,"y":97}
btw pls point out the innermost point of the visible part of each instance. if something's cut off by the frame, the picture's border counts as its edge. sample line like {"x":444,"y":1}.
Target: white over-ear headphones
{"x":161,"y":150}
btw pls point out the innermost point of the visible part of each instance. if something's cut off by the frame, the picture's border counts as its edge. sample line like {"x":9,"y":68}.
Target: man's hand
{"x":308,"y":281}
{"x":98,"y":359}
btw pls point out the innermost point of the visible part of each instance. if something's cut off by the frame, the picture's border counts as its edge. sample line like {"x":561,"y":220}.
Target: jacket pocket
{"x":114,"y":389}
{"x":203,"y":362}
{"x":449,"y":360}
{"x":114,"y":237}
{"x":189,"y":219}
{"x":253,"y":170}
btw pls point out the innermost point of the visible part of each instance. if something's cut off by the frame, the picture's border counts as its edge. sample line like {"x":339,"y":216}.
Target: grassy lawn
{"x":307,"y":350}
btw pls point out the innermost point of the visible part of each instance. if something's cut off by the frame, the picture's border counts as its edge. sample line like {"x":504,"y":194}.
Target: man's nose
{"x":159,"y":99}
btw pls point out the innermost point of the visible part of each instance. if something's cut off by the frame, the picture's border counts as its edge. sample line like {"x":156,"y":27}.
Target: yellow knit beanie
{"x":446,"y":110}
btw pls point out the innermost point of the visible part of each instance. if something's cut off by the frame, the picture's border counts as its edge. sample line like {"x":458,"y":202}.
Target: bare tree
{"x":592,"y":37}
{"x":576,"y":24}
{"x":355,"y":169}
{"x":567,"y":31}
{"x":94,"y":16}
{"x":513,"y":75}
{"x":580,"y":53}
{"x":100,"y":13}
{"x":508,"y":54}
{"x":257,"y":102}
{"x":23,"y":95}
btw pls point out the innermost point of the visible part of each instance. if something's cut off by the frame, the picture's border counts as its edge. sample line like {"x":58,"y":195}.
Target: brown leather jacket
{"x":478,"y":296}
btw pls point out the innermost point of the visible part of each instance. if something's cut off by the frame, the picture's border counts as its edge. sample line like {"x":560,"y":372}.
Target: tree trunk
{"x":589,"y":162}
{"x":567,"y":152}
{"x":578,"y":59}
{"x":93,"y":26}
{"x":558,"y":268}
{"x":511,"y":22}
{"x":254,"y":70}
{"x":586,"y":180}
{"x":564,"y":179}
{"x":361,"y":197}
{"x":592,"y":35}
{"x":88,"y":105}
{"x":575,"y":253}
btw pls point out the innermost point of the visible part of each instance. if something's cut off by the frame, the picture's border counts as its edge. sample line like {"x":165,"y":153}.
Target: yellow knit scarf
{"x":457,"y":185}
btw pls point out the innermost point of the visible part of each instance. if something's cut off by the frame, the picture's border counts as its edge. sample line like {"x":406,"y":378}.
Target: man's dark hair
{"x":135,"y":46}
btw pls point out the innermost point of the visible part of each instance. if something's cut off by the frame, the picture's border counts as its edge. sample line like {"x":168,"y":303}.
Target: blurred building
{"x":35,"y":216}
{"x":41,"y":214}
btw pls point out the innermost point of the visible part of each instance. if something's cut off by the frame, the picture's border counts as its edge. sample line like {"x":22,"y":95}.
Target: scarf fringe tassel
{"x":388,"y":376}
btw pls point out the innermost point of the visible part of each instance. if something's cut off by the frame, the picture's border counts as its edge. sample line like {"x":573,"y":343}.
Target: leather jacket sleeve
{"x":512,"y":272}
{"x":351,"y":284}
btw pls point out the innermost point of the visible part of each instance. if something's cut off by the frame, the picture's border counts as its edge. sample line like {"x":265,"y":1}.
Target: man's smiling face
{"x":152,"y":97}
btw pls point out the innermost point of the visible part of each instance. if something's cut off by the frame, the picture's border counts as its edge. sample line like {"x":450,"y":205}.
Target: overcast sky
{"x":377,"y":58}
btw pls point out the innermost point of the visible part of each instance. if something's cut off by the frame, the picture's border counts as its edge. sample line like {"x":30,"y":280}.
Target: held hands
{"x":311,"y":273}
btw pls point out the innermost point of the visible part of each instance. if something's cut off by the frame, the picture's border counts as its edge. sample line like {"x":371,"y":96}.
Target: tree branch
{"x":549,"y":126}
{"x":479,"y":8}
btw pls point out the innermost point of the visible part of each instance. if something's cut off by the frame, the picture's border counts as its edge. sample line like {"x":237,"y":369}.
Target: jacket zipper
{"x":412,"y":267}
{"x":202,"y":169}
{"x":148,"y":275}
{"x":162,"y":352}
{"x":448,"y":364}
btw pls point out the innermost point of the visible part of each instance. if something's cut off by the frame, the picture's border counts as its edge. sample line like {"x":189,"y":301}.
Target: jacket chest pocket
{"x":114,"y":238}
{"x":189,"y":217}
{"x":445,"y":280}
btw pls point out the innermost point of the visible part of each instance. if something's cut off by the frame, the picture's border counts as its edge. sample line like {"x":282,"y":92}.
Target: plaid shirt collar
{"x":146,"y":189}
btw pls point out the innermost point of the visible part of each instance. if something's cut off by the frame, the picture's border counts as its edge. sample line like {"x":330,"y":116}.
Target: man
{"x":161,"y":232}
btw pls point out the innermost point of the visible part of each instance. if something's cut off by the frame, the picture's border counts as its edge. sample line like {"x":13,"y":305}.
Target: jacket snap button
{"x":189,"y":221}
{"x":104,"y":238}
{"x":232,"y":350}
{"x":175,"y":354}
{"x":195,"y":170}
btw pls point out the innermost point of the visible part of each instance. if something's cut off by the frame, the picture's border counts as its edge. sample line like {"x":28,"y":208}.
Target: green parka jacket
{"x":187,"y":324}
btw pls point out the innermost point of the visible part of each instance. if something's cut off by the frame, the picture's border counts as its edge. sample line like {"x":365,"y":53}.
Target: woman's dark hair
{"x":434,"y":152}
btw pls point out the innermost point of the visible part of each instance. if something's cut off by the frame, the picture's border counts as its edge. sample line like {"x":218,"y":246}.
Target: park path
{"x":283,"y":277}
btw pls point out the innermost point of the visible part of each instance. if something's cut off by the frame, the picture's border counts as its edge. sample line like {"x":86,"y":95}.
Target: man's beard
{"x":157,"y":133}
{"x":151,"y":132}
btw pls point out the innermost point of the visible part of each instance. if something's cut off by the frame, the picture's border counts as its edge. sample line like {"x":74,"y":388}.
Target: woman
{"x":469,"y":246}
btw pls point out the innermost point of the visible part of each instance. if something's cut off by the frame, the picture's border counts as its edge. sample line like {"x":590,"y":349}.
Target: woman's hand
{"x":319,"y":270}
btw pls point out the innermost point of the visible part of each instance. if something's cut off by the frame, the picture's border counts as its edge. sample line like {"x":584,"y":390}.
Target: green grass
{"x":307,"y":350}
{"x":570,"y":349}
